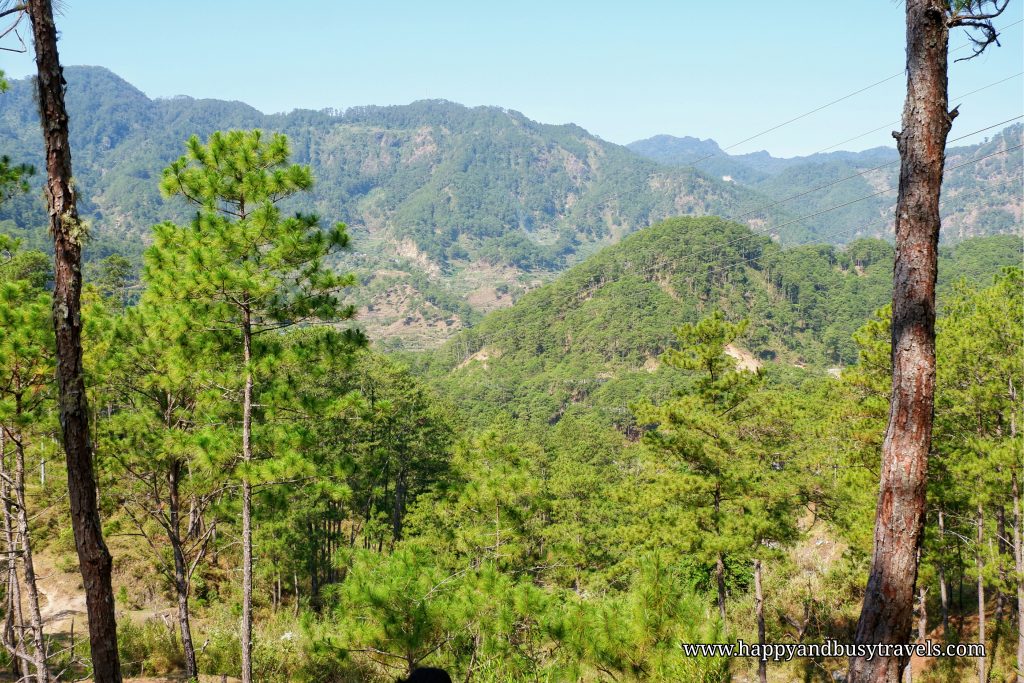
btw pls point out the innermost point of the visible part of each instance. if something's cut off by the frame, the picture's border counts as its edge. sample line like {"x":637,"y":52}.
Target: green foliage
{"x":637,"y":634}
{"x":240,"y":253}
{"x":147,"y":648}
{"x":726,"y":453}
{"x":27,"y":357}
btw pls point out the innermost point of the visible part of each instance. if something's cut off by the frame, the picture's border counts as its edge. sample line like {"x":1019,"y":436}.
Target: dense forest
{"x":457,"y":211}
{"x":423,"y":393}
{"x":536,"y":500}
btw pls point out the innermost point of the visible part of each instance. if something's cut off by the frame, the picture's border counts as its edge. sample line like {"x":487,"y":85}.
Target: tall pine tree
{"x":730,"y":489}
{"x":242,"y":269}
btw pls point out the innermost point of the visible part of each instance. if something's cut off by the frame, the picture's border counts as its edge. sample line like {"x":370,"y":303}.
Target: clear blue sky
{"x":623,"y":70}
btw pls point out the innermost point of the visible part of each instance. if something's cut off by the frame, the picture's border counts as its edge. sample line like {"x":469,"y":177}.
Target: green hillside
{"x":591,"y":339}
{"x":978,"y":199}
{"x":459,"y":184}
{"x":454,"y":211}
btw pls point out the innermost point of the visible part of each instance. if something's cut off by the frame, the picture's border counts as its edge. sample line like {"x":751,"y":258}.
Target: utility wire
{"x":753,"y":233}
{"x":754,"y":211}
{"x":822,"y":239}
{"x":656,"y":267}
{"x":865,"y":172}
{"x":827,"y":238}
{"x":897,"y":121}
{"x":769,"y":229}
{"x":836,"y":182}
{"x":826,"y":105}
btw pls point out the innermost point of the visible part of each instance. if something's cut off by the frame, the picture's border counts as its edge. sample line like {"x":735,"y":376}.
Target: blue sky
{"x":622,"y":70}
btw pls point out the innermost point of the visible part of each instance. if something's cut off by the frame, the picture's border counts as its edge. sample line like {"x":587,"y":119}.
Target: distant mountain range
{"x":456,"y":211}
{"x":978,"y":199}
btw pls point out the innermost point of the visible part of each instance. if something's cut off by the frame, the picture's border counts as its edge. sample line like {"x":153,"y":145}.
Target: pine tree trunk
{"x":943,"y":587}
{"x":762,"y":664}
{"x":720,"y":580}
{"x":67,"y":230}
{"x":980,"y":566}
{"x":922,"y":615}
{"x":887,"y":613}
{"x":398,"y":508}
{"x":247,"y":504}
{"x":1018,"y":561}
{"x":184,"y":624}
{"x":1004,"y":550}
{"x":14,"y":622}
{"x":31,"y":589}
{"x":181,"y":578}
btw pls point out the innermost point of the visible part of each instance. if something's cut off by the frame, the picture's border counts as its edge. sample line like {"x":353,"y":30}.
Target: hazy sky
{"x":622,"y":70}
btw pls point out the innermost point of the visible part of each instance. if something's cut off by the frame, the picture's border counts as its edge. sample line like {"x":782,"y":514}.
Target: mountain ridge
{"x":979,"y":206}
{"x":454,"y":210}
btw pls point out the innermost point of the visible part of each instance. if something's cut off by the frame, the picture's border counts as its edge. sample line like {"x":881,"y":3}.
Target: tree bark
{"x":887,"y":613}
{"x":31,"y":589}
{"x":398,"y":511}
{"x":922,"y":614}
{"x":980,"y":566}
{"x":247,"y":502}
{"x":720,"y":580}
{"x":67,"y":230}
{"x":943,"y":587}
{"x":762,"y":664}
{"x":14,"y":622}
{"x":1004,"y":550}
{"x":719,"y":560}
{"x":1018,"y":561}
{"x":181,"y":574}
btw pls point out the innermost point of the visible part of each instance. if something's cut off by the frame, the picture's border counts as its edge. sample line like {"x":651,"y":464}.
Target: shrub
{"x":148,"y":648}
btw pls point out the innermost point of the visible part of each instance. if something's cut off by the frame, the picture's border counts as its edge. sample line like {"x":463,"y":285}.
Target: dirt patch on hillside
{"x":481,"y":356}
{"x":745,"y":360}
{"x":487,"y":299}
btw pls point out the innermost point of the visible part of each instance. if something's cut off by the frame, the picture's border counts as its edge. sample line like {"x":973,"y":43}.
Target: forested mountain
{"x":668,"y":433}
{"x":978,"y":199}
{"x":429,"y":190}
{"x":454,"y":211}
{"x":591,"y":339}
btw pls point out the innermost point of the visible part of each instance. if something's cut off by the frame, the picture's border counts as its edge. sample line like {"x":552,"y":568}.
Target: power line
{"x":655,"y":267}
{"x":826,"y":105}
{"x":758,"y":210}
{"x":823,"y":239}
{"x":754,"y":234}
{"x":804,"y":193}
{"x":865,"y":172}
{"x":826,"y":239}
{"x":766,"y":231}
{"x":897,"y":121}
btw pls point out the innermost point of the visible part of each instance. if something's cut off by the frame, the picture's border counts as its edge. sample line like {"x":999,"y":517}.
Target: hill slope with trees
{"x":978,"y":199}
{"x":453,"y":211}
{"x":589,"y":339}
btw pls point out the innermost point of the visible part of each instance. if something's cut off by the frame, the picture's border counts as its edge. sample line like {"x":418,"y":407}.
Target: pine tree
{"x":887,"y":613}
{"x":26,"y":400}
{"x":156,"y":380}
{"x":69,"y":232}
{"x":976,"y":436}
{"x":242,"y":269}
{"x":729,"y":488}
